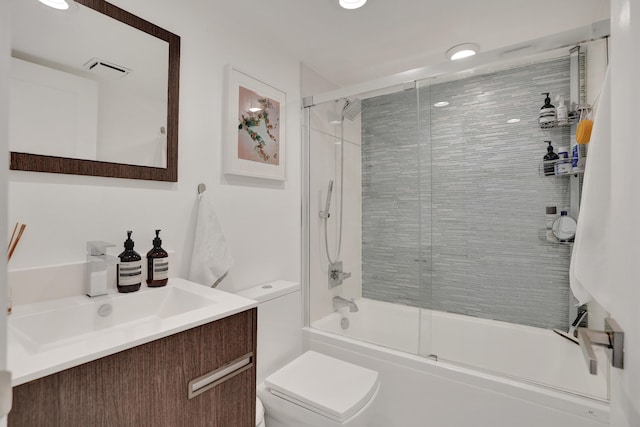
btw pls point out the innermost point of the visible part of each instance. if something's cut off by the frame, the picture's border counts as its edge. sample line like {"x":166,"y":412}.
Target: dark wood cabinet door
{"x":148,"y":385}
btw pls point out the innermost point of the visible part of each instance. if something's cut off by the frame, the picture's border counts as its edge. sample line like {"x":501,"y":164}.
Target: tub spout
{"x":339,"y":302}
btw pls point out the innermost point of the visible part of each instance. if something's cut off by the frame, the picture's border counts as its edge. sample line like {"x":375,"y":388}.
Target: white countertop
{"x":51,"y":336}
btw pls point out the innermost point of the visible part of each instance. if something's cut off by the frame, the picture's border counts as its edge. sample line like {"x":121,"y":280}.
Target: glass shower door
{"x":372,"y":158}
{"x":334,"y":213}
{"x":499,"y":286}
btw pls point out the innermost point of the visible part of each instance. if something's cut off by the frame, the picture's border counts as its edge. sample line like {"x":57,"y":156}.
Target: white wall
{"x":5,"y":37}
{"x":312,"y":82}
{"x":625,"y":205}
{"x":261,"y":219}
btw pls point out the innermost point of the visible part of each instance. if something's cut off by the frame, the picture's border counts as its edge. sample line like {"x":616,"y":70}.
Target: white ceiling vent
{"x":106,"y":70}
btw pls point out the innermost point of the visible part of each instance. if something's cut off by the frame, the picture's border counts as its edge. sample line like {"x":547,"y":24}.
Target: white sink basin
{"x":55,"y":325}
{"x":50,"y":336}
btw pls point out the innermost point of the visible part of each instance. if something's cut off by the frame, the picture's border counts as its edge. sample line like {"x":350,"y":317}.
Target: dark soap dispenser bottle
{"x":157,"y":264}
{"x":550,"y":160}
{"x":130,"y":268}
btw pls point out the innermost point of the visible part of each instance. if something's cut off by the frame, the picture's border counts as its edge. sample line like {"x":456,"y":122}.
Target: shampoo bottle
{"x":550,"y":160}
{"x":130,"y":268}
{"x":547,"y":118}
{"x":563,"y":165}
{"x":157,"y":264}
{"x":562,"y":112}
{"x":575,"y":157}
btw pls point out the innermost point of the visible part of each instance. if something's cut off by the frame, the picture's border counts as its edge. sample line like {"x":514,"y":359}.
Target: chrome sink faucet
{"x":339,"y":302}
{"x":98,"y":263}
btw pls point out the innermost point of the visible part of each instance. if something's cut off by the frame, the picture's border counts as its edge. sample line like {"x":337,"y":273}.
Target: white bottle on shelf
{"x":550,"y":218}
{"x":561,"y":111}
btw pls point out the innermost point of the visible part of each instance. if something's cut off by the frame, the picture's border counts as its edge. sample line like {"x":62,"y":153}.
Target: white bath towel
{"x":590,"y":260}
{"x":211,"y":258}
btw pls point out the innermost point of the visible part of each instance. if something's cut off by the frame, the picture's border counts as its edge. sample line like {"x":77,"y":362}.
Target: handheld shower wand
{"x":325,"y":216}
{"x":325,"y":213}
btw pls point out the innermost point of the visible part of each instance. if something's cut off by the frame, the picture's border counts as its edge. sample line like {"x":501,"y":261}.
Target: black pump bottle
{"x":157,"y":264}
{"x":130,"y":268}
{"x":549,"y":160}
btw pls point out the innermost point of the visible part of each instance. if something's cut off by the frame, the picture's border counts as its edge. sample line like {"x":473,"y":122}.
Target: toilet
{"x":303,"y":389}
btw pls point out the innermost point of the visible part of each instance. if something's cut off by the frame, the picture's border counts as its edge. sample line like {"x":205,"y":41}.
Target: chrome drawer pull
{"x":211,"y":379}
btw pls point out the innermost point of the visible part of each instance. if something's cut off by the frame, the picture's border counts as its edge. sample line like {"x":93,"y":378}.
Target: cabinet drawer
{"x":148,"y":385}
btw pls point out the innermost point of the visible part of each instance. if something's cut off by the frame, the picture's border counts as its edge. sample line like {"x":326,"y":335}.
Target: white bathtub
{"x":488,"y":373}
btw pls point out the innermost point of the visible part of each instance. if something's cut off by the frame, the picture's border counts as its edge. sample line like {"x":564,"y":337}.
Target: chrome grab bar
{"x":611,"y":338}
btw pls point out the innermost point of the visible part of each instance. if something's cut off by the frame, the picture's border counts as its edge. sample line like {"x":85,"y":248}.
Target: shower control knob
{"x":336,"y":275}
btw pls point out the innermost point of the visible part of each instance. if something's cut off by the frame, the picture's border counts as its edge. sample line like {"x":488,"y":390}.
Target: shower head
{"x":352,"y":109}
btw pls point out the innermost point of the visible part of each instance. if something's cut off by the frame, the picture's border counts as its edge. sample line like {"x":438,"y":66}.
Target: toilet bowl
{"x":259,"y":413}
{"x":316,"y":390}
{"x":302,"y":389}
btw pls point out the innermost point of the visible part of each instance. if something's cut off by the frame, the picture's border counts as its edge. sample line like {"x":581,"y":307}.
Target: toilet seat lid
{"x":325,"y":385}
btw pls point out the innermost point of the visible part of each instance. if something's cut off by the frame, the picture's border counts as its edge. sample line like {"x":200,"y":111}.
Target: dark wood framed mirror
{"x":92,"y":161}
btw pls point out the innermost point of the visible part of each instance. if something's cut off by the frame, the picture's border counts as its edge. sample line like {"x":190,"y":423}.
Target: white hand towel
{"x":590,"y":261}
{"x":211,"y":258}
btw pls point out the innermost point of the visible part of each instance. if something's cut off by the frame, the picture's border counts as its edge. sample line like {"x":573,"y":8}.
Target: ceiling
{"x":386,"y":37}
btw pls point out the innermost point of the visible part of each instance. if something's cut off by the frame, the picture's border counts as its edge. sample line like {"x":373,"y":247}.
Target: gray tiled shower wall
{"x":453,"y":201}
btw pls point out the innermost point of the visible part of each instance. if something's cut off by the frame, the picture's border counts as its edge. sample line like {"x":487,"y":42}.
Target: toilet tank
{"x":279,"y":324}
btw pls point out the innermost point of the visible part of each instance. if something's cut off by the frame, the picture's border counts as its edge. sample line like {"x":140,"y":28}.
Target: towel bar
{"x":612,"y":338}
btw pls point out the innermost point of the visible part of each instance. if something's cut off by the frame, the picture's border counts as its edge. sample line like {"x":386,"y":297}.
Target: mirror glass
{"x":92,"y":84}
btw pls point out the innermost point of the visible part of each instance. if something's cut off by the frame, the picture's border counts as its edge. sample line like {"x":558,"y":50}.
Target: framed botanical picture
{"x":254,"y":144}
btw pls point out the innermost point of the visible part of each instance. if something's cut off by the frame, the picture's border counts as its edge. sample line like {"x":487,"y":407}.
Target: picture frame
{"x":254,"y":143}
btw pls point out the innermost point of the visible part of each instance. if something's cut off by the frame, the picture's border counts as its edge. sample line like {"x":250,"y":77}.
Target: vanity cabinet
{"x":148,"y":385}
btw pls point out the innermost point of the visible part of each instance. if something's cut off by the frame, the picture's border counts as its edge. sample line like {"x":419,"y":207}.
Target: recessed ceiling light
{"x":512,"y":121}
{"x":352,"y":4}
{"x":56,"y":4}
{"x":462,"y":51}
{"x":441,"y":104}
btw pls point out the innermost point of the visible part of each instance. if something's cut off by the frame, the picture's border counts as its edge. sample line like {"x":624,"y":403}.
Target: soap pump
{"x":548,"y":116}
{"x":157,"y":264}
{"x":130,"y":268}
{"x":550,"y":160}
